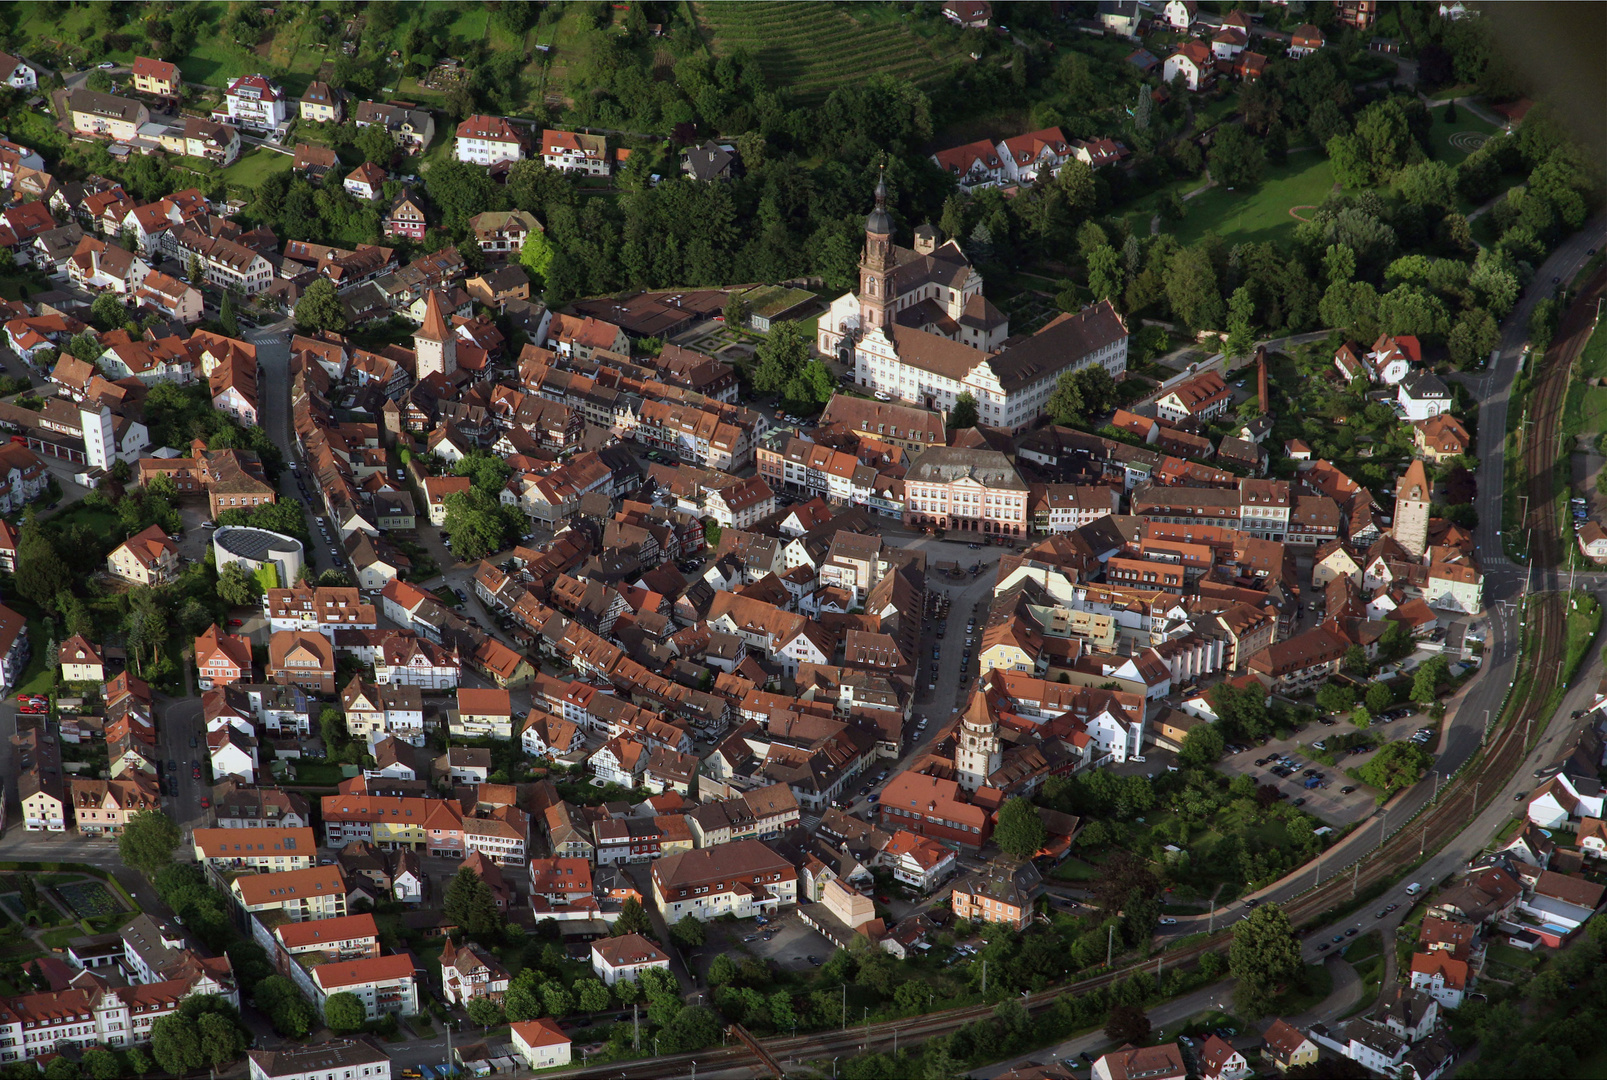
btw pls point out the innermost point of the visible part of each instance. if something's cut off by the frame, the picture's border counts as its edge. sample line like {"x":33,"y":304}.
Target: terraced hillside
{"x":812,"y":48}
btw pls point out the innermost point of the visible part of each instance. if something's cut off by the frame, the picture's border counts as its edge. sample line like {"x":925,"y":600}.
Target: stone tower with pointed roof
{"x":976,"y":745}
{"x":876,"y":264}
{"x":435,"y":346}
{"x":1412,"y":501}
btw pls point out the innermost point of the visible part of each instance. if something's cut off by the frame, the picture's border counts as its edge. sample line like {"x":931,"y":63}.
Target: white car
{"x":106,"y":65}
{"x":1167,"y":921}
{"x":883,"y":395}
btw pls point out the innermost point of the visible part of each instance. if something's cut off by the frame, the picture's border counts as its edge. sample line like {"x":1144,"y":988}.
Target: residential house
{"x":255,"y":103}
{"x":1163,"y":1062}
{"x":300,"y":658}
{"x":541,"y":1043}
{"x":222,"y":658}
{"x":367,"y":181}
{"x":81,"y":661}
{"x":626,"y":957}
{"x":1000,"y":893}
{"x":157,"y":77}
{"x":146,"y":558}
{"x":489,"y":140}
{"x":384,"y":984}
{"x":482,"y":714}
{"x":322,"y":104}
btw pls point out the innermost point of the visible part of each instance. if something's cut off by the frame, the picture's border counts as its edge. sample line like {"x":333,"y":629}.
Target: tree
{"x":1396,"y":765}
{"x":235,"y":587}
{"x":1020,"y":830}
{"x":1333,"y":698}
{"x":689,"y":933}
{"x":60,"y":1068}
{"x":1203,"y":745}
{"x":523,"y":999}
{"x":1237,"y":158}
{"x":482,"y":1011}
{"x":469,"y":904}
{"x":1264,"y":957}
{"x":222,"y":1038}
{"x":345,"y":1013}
{"x":289,"y":1012}
{"x":176,"y":1044}
{"x":559,"y":1001}
{"x":108,"y":312}
{"x":1473,"y":336}
{"x":1379,"y":698}
{"x":964,"y":414}
{"x":736,"y":311}
{"x":722,"y":970}
{"x":478,"y":524}
{"x":1065,"y":405}
{"x":41,"y":574}
{"x":633,"y":920}
{"x":1191,"y":288}
{"x":139,"y":1062}
{"x":226,"y":315}
{"x":535,"y":255}
{"x":592,"y":995}
{"x":147,"y":841}
{"x":1127,"y":1024}
{"x":1426,"y":680}
{"x":781,"y":356}
{"x":101,"y":1064}
{"x":1241,"y":331}
{"x":320,"y":309}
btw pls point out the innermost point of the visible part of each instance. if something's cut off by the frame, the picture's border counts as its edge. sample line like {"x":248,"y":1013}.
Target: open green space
{"x":256,"y":165}
{"x":1262,"y":213}
{"x":1443,"y":137}
{"x":812,"y":49}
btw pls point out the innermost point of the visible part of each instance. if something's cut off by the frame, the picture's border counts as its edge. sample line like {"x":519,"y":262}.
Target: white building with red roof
{"x":917,"y":861}
{"x":252,"y":101}
{"x":542,"y":1043}
{"x":624,"y":958}
{"x":488,"y":140}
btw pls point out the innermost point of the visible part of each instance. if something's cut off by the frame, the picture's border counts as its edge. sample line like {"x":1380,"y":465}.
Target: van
{"x":1413,"y":889}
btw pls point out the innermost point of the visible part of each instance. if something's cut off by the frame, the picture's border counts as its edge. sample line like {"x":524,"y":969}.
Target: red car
{"x":236,"y":622}
{"x":206,"y":803}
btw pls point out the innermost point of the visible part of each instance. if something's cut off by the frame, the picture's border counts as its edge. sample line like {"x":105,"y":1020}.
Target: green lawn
{"x":1593,"y":359}
{"x":1074,"y":869}
{"x":102,"y":522}
{"x":1513,"y":958}
{"x":1585,"y":411}
{"x":255,"y":166}
{"x":1262,"y":213}
{"x":1440,"y":136}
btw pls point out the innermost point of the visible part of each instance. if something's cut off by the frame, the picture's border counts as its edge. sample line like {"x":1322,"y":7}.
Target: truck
{"x":1312,"y":781}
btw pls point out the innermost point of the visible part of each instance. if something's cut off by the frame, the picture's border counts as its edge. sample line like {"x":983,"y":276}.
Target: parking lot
{"x":1328,"y":800}
{"x":789,"y":949}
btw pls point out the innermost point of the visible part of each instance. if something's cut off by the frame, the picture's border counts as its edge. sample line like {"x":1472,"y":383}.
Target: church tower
{"x":976,"y":746}
{"x":1412,"y":500}
{"x":435,"y":346}
{"x":876,"y":266}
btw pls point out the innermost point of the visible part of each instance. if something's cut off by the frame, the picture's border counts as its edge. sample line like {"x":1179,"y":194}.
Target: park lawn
{"x":104,"y":523}
{"x":1441,"y":134}
{"x":256,"y":165}
{"x":1261,"y":214}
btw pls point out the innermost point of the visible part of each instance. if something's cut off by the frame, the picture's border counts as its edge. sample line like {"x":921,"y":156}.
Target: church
{"x":920,"y":331}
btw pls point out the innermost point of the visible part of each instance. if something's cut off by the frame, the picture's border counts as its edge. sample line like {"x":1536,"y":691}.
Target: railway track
{"x":1457,"y":804}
